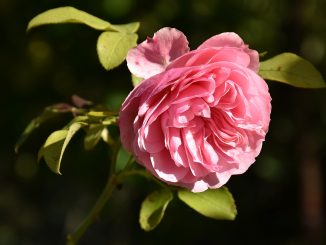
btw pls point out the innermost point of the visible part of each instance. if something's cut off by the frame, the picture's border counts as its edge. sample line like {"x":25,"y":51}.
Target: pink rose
{"x":199,"y":116}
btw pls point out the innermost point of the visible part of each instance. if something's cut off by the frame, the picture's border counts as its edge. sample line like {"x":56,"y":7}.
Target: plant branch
{"x":112,"y":182}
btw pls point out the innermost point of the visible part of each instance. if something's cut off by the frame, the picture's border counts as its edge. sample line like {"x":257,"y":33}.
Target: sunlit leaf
{"x":293,"y":70}
{"x":153,"y":208}
{"x":73,"y":15}
{"x":106,"y":137}
{"x":213,"y":203}
{"x":51,"y":149}
{"x":102,"y":117}
{"x":112,"y":47}
{"x":48,"y":113}
{"x":110,"y":120}
{"x":55,"y":145}
{"x":84,"y":120}
{"x":99,"y":114}
{"x":93,"y":135}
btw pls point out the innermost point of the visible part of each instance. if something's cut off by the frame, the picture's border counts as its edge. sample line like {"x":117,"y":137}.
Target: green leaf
{"x":112,"y":48}
{"x":136,"y":80}
{"x":213,"y":203}
{"x":48,"y":113}
{"x":100,"y":114}
{"x":51,"y":149}
{"x":84,"y":120}
{"x":73,"y":15}
{"x":293,"y":70}
{"x":113,"y":120}
{"x":93,"y":135}
{"x":153,"y":208}
{"x":55,"y":145}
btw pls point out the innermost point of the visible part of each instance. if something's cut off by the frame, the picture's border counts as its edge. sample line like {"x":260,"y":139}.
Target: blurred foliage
{"x":280,"y":199}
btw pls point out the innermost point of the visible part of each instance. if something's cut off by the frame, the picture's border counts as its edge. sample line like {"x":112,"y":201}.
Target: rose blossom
{"x":199,"y":116}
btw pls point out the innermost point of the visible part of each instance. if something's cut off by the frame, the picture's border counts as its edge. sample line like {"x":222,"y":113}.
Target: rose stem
{"x":112,"y":182}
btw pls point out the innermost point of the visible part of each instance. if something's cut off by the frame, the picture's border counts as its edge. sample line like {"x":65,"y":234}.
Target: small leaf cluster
{"x":94,"y":121}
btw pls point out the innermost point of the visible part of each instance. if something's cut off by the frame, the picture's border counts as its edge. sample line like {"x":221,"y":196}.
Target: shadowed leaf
{"x":55,"y":145}
{"x":153,"y":208}
{"x":93,"y":135}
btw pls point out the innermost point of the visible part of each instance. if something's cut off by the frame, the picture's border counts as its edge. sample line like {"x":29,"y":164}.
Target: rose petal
{"x":210,"y":156}
{"x":226,"y":39}
{"x":235,"y":55}
{"x":193,"y":58}
{"x":155,"y":54}
{"x":151,"y":138}
{"x":231,"y":39}
{"x":165,"y":167}
{"x":176,"y":148}
{"x":126,"y":120}
{"x":203,"y":118}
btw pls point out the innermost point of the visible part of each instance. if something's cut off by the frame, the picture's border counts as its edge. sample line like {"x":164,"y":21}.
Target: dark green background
{"x":281,"y":199}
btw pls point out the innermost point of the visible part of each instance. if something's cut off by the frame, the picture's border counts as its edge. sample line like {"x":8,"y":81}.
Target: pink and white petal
{"x":172,"y":42}
{"x":199,"y":186}
{"x":128,"y":113}
{"x":210,"y":156}
{"x":200,"y":108}
{"x":217,"y":180}
{"x":226,"y":39}
{"x":254,"y":59}
{"x":151,"y":137}
{"x":126,"y":123}
{"x":213,"y":181}
{"x":234,"y":55}
{"x":176,"y":148}
{"x":166,"y":168}
{"x":154,"y":54}
{"x":231,"y":39}
{"x":192,"y":142}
